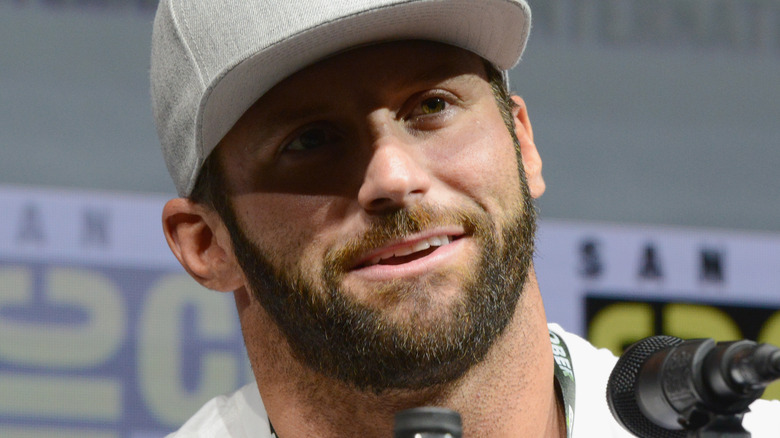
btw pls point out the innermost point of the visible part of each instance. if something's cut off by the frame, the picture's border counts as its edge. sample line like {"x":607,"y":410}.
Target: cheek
{"x":480,"y":160}
{"x":283,"y":225}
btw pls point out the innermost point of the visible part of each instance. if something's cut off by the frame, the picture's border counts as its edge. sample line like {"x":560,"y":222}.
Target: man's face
{"x":379,"y":213}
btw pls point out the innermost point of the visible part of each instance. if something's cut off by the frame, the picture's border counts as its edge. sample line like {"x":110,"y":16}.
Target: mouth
{"x":408,"y":251}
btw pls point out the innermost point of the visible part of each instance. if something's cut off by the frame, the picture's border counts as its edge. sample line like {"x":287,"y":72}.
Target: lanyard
{"x":564,"y":376}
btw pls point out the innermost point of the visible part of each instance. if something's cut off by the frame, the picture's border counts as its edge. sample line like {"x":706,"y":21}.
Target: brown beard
{"x":331,"y":332}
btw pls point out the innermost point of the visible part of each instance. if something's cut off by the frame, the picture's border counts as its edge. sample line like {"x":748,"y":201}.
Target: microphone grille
{"x":621,"y":389}
{"x":430,"y":421}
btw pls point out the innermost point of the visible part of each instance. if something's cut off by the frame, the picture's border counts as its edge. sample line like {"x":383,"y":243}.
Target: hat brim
{"x":496,"y":30}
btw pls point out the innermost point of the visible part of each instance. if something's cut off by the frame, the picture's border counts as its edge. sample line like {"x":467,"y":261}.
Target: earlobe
{"x":532,"y":162}
{"x":198,"y":240}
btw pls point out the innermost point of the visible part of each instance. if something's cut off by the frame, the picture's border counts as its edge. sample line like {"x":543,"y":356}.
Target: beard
{"x":333,"y":333}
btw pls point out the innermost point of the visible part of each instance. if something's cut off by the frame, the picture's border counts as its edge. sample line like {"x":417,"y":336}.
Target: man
{"x":357,"y":174}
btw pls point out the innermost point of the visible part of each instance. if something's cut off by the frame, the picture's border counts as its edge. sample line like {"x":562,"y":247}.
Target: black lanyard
{"x":564,"y":375}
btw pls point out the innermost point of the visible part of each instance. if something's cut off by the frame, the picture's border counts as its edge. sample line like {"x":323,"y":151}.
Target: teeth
{"x":406,"y":250}
{"x":400,"y":252}
{"x":421,"y":246}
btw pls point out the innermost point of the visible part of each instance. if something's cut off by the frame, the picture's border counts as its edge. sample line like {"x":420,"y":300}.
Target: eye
{"x":431,"y":109}
{"x":312,"y":138}
{"x":433,"y":105}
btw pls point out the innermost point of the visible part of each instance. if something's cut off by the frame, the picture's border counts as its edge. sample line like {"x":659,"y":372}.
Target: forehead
{"x":371,"y":69}
{"x":407,"y":56}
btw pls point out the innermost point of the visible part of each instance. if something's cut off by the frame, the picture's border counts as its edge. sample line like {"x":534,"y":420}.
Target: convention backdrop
{"x":662,"y":110}
{"x":102,"y":334}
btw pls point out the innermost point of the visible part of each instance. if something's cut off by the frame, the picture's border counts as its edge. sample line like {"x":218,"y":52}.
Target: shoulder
{"x":237,"y":415}
{"x":761,"y":421}
{"x":591,"y":367}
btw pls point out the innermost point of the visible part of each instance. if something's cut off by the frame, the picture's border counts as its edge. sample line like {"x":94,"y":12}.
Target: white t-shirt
{"x":242,"y":415}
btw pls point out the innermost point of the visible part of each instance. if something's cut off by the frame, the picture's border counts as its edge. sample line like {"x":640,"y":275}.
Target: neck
{"x":510,"y":393}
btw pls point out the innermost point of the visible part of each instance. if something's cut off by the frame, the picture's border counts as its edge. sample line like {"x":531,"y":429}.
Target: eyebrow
{"x":436,"y":73}
{"x":290,"y":114}
{"x":441,"y":72}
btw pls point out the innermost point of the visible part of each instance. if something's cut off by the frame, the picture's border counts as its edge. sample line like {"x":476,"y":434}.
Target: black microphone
{"x":428,"y":422}
{"x":664,"y":387}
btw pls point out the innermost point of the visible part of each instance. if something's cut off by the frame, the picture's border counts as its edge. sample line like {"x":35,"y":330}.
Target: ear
{"x":532,"y":162}
{"x":198,"y":238}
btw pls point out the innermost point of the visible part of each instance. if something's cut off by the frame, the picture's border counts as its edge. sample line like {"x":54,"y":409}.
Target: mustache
{"x":399,"y":224}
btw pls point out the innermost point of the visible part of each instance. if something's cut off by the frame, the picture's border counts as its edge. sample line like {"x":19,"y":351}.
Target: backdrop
{"x":656,"y":120}
{"x":102,"y":334}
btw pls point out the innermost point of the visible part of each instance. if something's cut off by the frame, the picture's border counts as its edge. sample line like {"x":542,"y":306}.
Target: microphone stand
{"x":670,"y":388}
{"x":721,"y":426}
{"x":706,"y":410}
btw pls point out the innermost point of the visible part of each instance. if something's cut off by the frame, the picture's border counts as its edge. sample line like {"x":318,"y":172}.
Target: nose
{"x":395,"y":177}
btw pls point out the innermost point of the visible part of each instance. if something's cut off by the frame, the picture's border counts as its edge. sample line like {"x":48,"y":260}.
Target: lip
{"x":415,"y":266}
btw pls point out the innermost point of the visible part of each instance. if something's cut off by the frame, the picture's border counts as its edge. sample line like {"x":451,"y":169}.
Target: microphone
{"x":663,"y":387}
{"x":428,"y":422}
